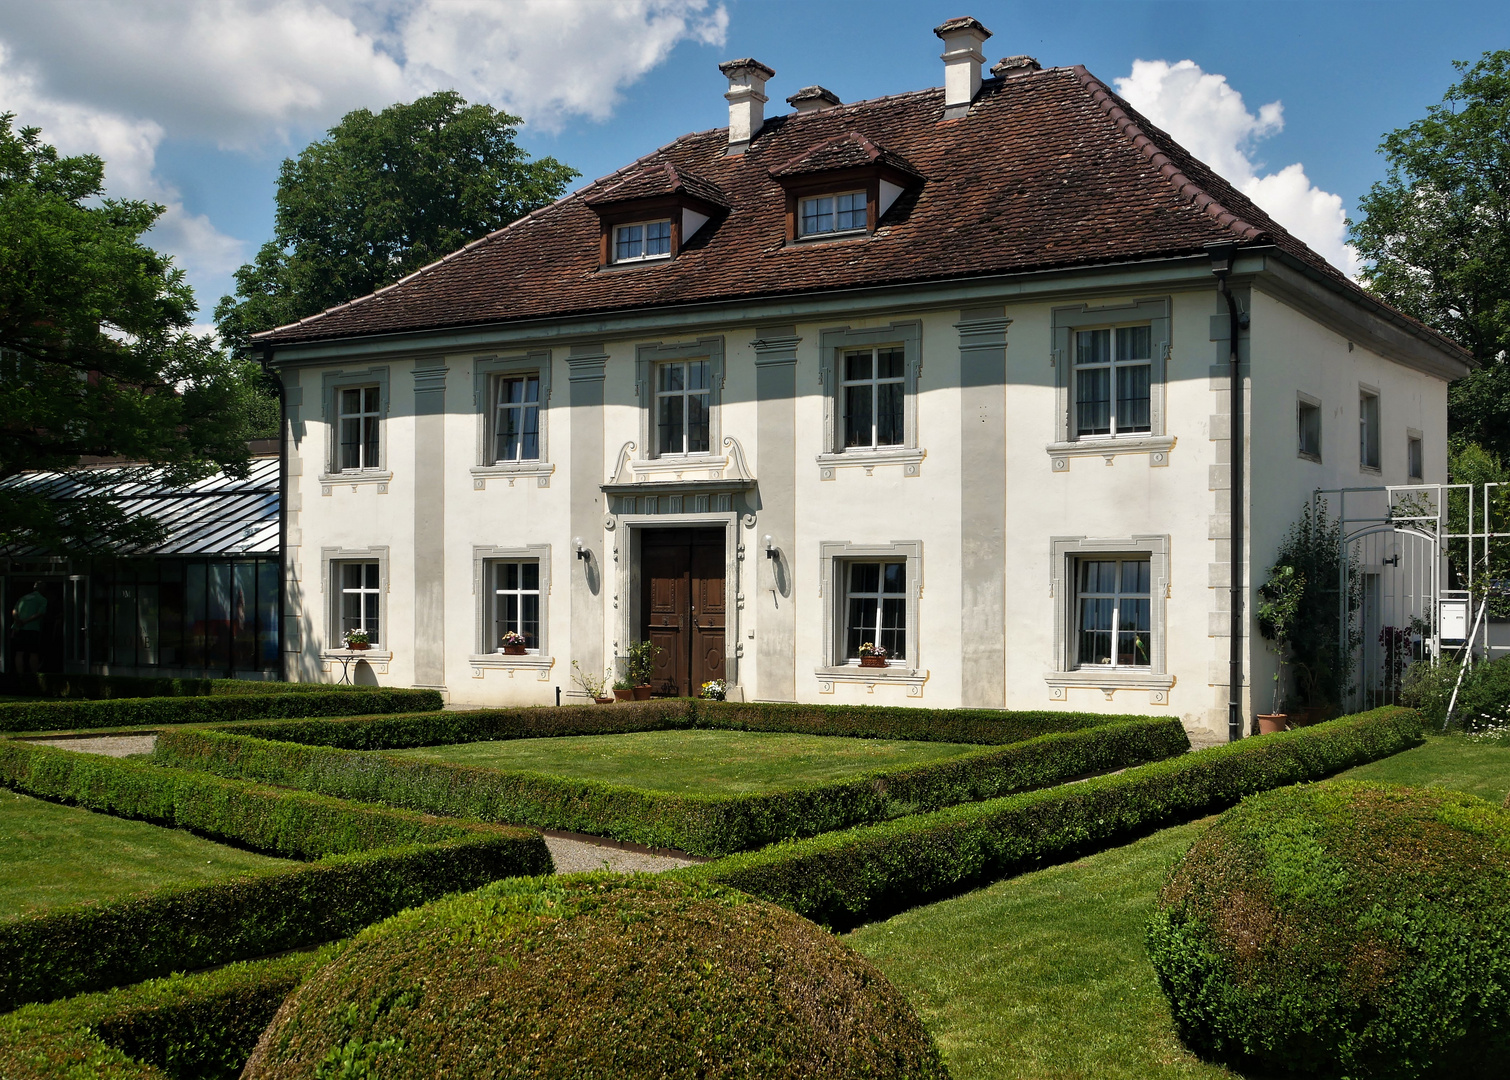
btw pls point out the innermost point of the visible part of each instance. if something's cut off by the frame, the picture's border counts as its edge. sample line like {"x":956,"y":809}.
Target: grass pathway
{"x":53,"y":855}
{"x":697,"y":761}
{"x":1477,"y":764}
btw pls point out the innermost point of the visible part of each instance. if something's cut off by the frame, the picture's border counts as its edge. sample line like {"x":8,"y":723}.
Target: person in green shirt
{"x":26,"y":629}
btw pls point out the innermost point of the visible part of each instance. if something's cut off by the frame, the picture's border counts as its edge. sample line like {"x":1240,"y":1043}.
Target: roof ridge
{"x":1112,"y":106}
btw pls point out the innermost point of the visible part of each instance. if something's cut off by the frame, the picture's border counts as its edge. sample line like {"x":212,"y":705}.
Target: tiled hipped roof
{"x":1048,"y":170}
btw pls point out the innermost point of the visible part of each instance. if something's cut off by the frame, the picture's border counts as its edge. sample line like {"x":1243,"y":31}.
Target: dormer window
{"x":828,"y":215}
{"x":642,"y":241}
{"x":649,"y":214}
{"x":841,"y":188}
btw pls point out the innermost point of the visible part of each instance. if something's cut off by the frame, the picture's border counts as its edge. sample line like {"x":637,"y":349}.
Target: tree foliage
{"x":96,"y":354}
{"x":1436,"y":236}
{"x":381,"y":196}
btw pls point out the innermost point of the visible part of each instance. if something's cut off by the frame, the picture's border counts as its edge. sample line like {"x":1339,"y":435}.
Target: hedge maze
{"x":307,"y":776}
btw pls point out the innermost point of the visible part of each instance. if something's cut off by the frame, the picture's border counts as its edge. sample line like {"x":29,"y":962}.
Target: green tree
{"x":381,"y":196}
{"x":1436,"y":237}
{"x":96,"y":354}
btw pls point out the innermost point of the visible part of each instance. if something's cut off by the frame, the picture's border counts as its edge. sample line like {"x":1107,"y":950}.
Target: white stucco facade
{"x":988,"y":501}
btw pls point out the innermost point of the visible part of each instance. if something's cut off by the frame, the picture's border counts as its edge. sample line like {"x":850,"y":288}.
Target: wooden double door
{"x":682,"y":606}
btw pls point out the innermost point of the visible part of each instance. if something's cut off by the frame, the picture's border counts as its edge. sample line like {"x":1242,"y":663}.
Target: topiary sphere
{"x":595,"y":976}
{"x":1344,"y":929}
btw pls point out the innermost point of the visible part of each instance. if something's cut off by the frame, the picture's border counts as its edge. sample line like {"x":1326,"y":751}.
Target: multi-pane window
{"x":832,"y":214}
{"x":360,"y":591}
{"x":644,"y":240}
{"x":1368,"y":429}
{"x":1113,"y":613}
{"x":1308,"y":421}
{"x":358,"y":419}
{"x":516,"y":601}
{"x":516,"y":418}
{"x":1416,"y":467}
{"x":681,"y":407}
{"x":1113,"y":366}
{"x":876,"y":602}
{"x":874,"y":390}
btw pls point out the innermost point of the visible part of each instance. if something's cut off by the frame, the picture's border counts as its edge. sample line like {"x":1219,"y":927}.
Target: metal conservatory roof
{"x":218,"y":515}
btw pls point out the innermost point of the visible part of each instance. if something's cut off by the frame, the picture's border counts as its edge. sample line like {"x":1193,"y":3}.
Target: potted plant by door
{"x":639,"y":666}
{"x":357,"y":641}
{"x":623,"y":690}
{"x":513,"y":644}
{"x":714,"y":690}
{"x":872,"y":655}
{"x":591,"y":685}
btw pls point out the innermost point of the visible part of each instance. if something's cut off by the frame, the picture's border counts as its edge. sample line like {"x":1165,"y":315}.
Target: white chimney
{"x":813,"y":98}
{"x":962,"y":58}
{"x":746,"y":96}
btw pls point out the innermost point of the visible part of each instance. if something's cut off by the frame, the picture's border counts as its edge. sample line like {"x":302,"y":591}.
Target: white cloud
{"x":1208,"y":118}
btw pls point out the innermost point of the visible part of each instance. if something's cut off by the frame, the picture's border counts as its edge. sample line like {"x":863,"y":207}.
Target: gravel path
{"x":109,"y":745}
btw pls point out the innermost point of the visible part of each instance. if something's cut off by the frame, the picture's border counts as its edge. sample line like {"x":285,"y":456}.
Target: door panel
{"x":682,"y":605}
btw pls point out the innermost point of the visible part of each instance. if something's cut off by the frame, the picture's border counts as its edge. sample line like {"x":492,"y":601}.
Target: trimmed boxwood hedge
{"x":291,"y":824}
{"x":985,"y":726}
{"x":195,"y":1027}
{"x":1345,"y":930}
{"x":214,"y":708}
{"x":374,"y":861}
{"x":597,"y":976}
{"x":699,"y":824}
{"x":846,"y":878}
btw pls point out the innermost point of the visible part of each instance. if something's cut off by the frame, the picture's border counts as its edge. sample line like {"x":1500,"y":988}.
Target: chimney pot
{"x":1010,"y":67}
{"x":746,"y":97}
{"x":962,"y":58}
{"x":812,"y":98}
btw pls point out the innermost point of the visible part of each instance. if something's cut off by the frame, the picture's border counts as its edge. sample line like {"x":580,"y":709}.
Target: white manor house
{"x":945,"y":372}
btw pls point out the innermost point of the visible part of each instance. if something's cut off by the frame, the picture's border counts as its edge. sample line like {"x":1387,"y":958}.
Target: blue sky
{"x":195,"y":104}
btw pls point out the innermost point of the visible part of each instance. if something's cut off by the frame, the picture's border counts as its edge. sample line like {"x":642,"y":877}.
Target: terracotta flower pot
{"x":623,"y":693}
{"x":358,"y":646}
{"x":513,"y":650}
{"x":642,"y":692}
{"x":872,"y":661}
{"x":605,"y":701}
{"x":1269,"y":723}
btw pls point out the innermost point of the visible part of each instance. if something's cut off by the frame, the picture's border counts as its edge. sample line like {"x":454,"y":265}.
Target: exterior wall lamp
{"x":582,"y":552}
{"x":771,"y":552}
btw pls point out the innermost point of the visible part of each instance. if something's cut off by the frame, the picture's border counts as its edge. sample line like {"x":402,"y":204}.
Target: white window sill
{"x":893,"y":674}
{"x":910,"y":458}
{"x":1157,"y":447}
{"x":484,"y":662}
{"x":1109,"y":679}
{"x":512,"y":471}
{"x":354,"y":477}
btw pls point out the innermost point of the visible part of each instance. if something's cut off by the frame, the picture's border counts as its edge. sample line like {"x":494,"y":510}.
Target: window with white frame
{"x":1113,"y":612}
{"x":516,"y":418}
{"x":1112,"y":384}
{"x":358,"y":413}
{"x":642,"y":241}
{"x":873,"y":390}
{"x":514,"y":594}
{"x":1368,"y":429}
{"x":875,"y":605}
{"x":682,"y":404}
{"x":1414,"y":459}
{"x":826,"y":215}
{"x":359,"y":599}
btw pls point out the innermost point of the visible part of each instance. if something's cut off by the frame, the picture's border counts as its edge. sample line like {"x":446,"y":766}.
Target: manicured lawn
{"x":1477,"y":764}
{"x":1045,"y":975}
{"x":705,"y":762}
{"x":54,"y":855}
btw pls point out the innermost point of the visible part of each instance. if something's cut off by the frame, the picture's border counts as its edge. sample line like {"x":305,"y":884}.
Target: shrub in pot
{"x":1343,"y":929}
{"x":596,"y":975}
